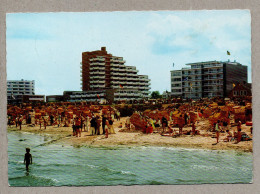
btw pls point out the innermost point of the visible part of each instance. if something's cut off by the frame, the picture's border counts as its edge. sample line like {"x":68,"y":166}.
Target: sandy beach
{"x":203,"y":141}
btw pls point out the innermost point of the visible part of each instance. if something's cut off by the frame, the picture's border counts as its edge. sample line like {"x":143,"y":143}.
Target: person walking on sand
{"x":217,"y":129}
{"x":20,"y":121}
{"x":111,"y":127}
{"x":40,"y":122}
{"x":98,"y":120}
{"x":16,"y":121}
{"x":44,"y":122}
{"x":164,"y":123}
{"x":104,"y":123}
{"x":27,"y":158}
{"x":186,"y":118}
{"x":193,"y":128}
{"x":118,"y":115}
{"x":86,"y":123}
{"x":92,"y":125}
{"x":78,"y":123}
{"x":239,"y":135}
{"x":128,"y":123}
{"x":106,"y":128}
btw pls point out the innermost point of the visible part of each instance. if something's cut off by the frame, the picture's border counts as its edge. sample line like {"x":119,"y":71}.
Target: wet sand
{"x":204,"y":141}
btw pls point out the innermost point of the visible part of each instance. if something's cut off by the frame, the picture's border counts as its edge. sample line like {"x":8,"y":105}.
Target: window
{"x":176,"y":85}
{"x":176,"y":73}
{"x":176,"y":79}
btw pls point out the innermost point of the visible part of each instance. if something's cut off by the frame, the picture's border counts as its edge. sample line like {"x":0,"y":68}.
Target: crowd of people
{"x":96,"y":120}
{"x":173,"y":120}
{"x":183,"y":119}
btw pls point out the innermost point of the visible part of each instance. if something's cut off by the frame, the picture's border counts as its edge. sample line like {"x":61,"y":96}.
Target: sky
{"x":47,"y":47}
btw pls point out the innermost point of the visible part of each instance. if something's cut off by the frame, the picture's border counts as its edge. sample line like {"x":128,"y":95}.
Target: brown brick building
{"x":241,"y":90}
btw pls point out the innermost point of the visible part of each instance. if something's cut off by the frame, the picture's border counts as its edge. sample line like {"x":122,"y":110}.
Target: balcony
{"x":193,"y":85}
{"x":101,"y":63}
{"x":115,"y":82}
{"x":115,"y":78}
{"x":98,"y":81}
{"x":93,"y":73}
{"x":192,"y":91}
{"x":97,"y":86}
{"x":114,"y":73}
{"x":121,"y":70}
{"x":210,"y":90}
{"x":213,"y":84}
{"x":98,"y":77}
{"x":115,"y":86}
{"x":213,"y":72}
{"x":213,"y":77}
{"x":115,"y":65}
{"x":114,"y":69}
{"x":114,"y":60}
{"x":97,"y":59}
{"x":100,"y":59}
{"x":144,"y":79}
{"x":93,"y":64}
{"x":97,"y":68}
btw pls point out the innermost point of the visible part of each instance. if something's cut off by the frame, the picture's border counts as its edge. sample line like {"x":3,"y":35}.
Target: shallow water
{"x":58,"y":165}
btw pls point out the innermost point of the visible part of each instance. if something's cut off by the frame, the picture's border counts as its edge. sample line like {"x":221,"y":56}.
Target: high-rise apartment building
{"x":17,"y":89}
{"x":104,"y":72}
{"x":207,"y":79}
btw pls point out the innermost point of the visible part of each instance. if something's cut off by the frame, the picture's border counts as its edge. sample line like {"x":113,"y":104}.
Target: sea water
{"x":55,"y":164}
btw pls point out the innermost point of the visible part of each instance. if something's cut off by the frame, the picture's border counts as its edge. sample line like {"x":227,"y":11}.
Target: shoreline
{"x":63,"y":135}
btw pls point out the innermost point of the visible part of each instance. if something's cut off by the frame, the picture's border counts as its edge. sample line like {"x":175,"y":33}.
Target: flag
{"x":234,"y":85}
{"x":190,"y":84}
{"x":98,"y":96}
{"x":120,"y":86}
{"x":228,"y":53}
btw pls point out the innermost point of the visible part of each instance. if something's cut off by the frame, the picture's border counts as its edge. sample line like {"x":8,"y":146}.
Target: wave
{"x":109,"y":170}
{"x":15,"y":162}
{"x":127,"y":172}
{"x":32,"y":180}
{"x":206,"y":167}
{"x":92,"y":166}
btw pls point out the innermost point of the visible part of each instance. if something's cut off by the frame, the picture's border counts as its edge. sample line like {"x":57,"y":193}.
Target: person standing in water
{"x":27,"y":158}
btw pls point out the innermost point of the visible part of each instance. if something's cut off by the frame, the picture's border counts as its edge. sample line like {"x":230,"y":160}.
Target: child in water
{"x":27,"y":158}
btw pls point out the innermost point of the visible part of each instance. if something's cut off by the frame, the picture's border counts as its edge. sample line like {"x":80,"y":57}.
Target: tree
{"x":155,"y":95}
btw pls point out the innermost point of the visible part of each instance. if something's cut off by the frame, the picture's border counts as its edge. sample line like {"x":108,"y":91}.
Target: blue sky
{"x":47,"y":47}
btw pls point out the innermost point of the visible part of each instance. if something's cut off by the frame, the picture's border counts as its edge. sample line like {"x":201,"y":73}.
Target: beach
{"x":136,"y":138}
